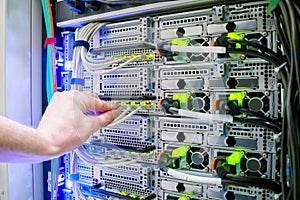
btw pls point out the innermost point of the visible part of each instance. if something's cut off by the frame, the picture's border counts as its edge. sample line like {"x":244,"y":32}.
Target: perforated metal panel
{"x":202,"y":82}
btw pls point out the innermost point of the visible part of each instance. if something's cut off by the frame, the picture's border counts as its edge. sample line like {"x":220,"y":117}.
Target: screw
{"x":188,"y":60}
{"x":263,"y":176}
{"x":243,"y":35}
{"x":242,"y":173}
{"x":242,"y":57}
{"x":264,"y":155}
{"x":267,"y":114}
{"x":206,"y":169}
{"x":206,"y":39}
{"x":188,"y":166}
{"x":264,"y":34}
{"x":206,"y":93}
{"x":267,"y":93}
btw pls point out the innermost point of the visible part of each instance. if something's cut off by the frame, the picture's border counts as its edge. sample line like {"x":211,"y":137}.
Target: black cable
{"x":125,"y":148}
{"x":295,"y":53}
{"x":280,"y":34}
{"x":256,"y":123}
{"x":258,"y":54}
{"x":261,"y":117}
{"x":258,"y":46}
{"x":113,"y":194}
{"x":287,"y":23}
{"x":292,"y":131}
{"x":227,"y":178}
{"x":256,"y":182}
{"x":283,"y":160}
{"x":234,"y":110}
{"x":249,"y":52}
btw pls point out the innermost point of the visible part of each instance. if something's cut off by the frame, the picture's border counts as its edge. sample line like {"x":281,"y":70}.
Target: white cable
{"x":123,"y":113}
{"x":90,"y":160}
{"x":204,"y":116}
{"x":116,"y":122}
{"x":77,"y":193}
{"x":122,"y":65}
{"x":193,"y":178}
{"x":198,"y":49}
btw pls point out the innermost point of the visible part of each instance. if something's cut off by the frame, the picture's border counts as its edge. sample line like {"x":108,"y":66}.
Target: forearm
{"x":63,"y":127}
{"x":19,"y":143}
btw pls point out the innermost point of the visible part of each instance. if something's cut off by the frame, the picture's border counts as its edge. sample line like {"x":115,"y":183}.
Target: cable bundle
{"x":81,"y":57}
{"x":287,"y":19}
{"x":51,"y":86}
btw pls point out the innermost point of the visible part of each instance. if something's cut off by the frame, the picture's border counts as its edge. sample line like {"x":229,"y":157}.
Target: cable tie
{"x":277,"y":69}
{"x":81,"y":43}
{"x":74,"y":177}
{"x":77,"y":81}
{"x":49,"y":41}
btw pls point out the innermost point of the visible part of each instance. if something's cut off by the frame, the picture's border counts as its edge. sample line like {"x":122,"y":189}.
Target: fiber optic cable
{"x":51,"y":82}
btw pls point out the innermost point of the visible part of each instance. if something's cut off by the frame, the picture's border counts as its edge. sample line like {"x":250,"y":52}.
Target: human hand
{"x":65,"y":124}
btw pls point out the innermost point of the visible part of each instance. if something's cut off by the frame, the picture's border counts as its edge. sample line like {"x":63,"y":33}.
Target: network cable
{"x":228,"y":179}
{"x":83,"y":37}
{"x":51,"y":86}
{"x":225,"y":178}
{"x":286,"y":16}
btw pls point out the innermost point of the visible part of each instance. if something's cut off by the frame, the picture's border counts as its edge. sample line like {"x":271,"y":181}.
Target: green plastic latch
{"x":272,"y":5}
{"x":180,"y":152}
{"x":180,"y":42}
{"x":235,"y":36}
{"x":180,"y":56}
{"x":183,"y":198}
{"x":183,"y":99}
{"x":234,"y":158}
{"x":238,"y":97}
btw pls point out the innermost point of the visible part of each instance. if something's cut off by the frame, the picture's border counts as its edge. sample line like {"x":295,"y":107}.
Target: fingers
{"x":94,"y":103}
{"x":106,"y":118}
{"x":104,"y":106}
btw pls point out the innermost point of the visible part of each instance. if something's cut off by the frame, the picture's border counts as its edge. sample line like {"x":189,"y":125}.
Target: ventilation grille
{"x":182,"y":22}
{"x":126,"y":187}
{"x":185,"y":73}
{"x":125,"y":93}
{"x":126,"y":141}
{"x":176,"y":125}
{"x":120,"y":41}
{"x":121,"y":30}
{"x":108,"y":131}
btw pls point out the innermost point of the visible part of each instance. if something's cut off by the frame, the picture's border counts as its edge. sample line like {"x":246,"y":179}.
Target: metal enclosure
{"x":202,"y":82}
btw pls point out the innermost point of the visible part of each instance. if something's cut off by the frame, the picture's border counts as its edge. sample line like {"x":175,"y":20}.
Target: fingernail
{"x":116,"y":112}
{"x":116,"y":106}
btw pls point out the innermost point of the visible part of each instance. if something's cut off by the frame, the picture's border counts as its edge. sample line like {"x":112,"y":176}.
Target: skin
{"x":64,"y":126}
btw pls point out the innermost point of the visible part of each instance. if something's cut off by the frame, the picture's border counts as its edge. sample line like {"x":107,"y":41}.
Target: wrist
{"x":48,"y":146}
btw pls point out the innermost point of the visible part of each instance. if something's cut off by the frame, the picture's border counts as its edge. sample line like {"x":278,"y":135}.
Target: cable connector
{"x":222,"y":173}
